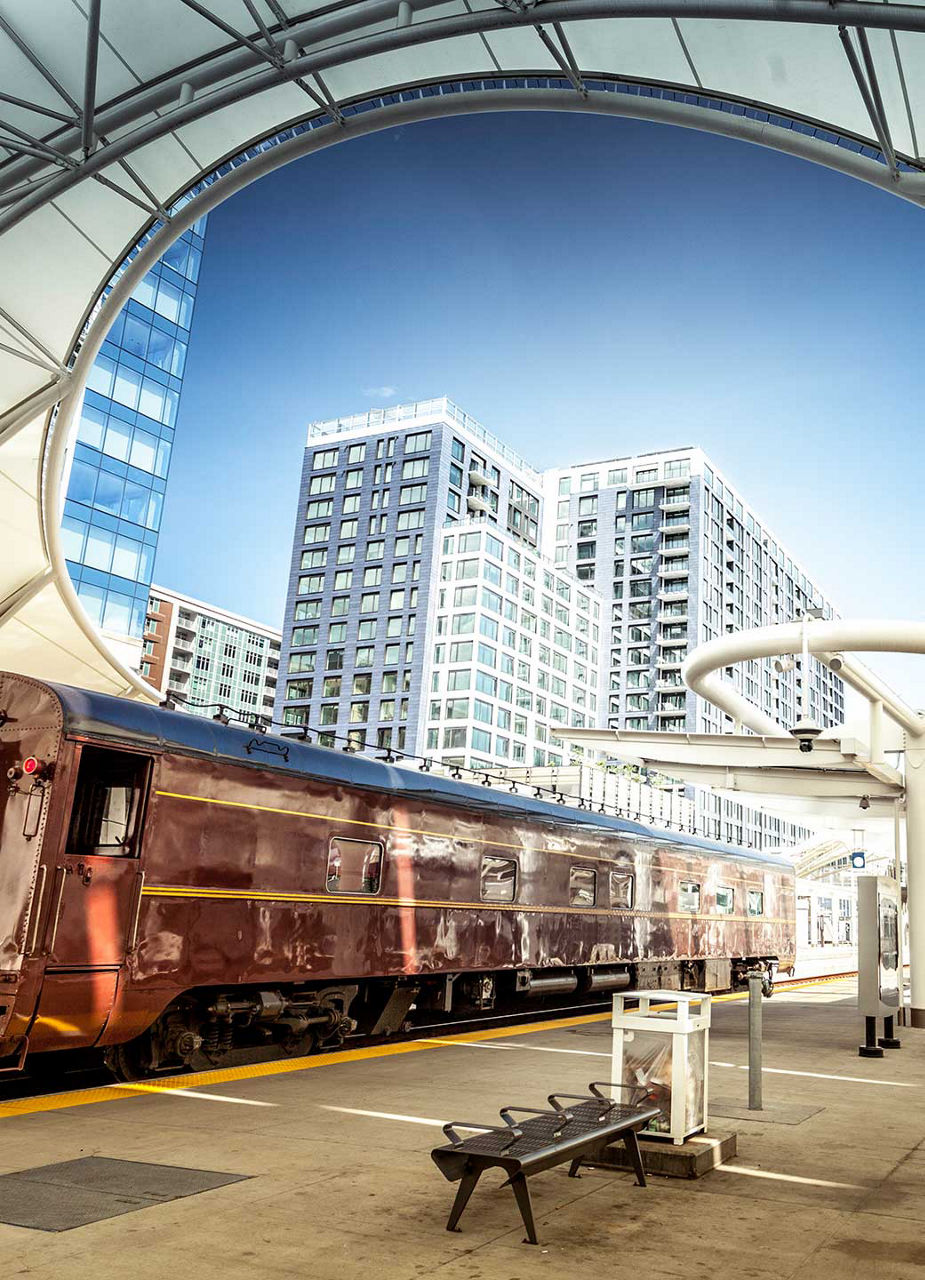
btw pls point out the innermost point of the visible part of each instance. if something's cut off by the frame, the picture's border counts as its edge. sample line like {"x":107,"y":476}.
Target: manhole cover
{"x":58,"y":1197}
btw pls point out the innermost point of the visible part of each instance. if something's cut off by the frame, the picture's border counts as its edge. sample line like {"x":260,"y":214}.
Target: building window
{"x":419,"y":442}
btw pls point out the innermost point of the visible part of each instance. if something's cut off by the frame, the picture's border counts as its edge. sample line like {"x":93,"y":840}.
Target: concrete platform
{"x":339,"y":1181}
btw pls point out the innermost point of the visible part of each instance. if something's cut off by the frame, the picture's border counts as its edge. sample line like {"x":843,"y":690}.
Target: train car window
{"x":622,"y":887}
{"x":499,"y":879}
{"x":354,"y":866}
{"x":725,"y":899}
{"x":582,"y":887}
{"x":107,"y":803}
{"x":688,"y":896}
{"x":755,"y":902}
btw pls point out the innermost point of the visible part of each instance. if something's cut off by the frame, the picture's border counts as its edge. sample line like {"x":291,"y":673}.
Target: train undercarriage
{"x":208,"y":1028}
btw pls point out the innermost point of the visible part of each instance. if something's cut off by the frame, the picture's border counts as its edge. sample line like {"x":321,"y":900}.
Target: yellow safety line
{"x":258,"y":1070}
{"x":372,"y":900}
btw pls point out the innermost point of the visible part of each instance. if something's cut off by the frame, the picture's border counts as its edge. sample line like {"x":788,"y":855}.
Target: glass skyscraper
{"x":121,"y":455}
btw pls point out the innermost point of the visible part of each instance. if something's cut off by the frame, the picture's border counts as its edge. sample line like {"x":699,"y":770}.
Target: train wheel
{"x":132,"y":1060}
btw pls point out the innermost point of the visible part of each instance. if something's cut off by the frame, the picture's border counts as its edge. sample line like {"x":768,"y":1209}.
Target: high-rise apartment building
{"x":121,"y":456}
{"x":680,"y":558}
{"x":447,"y":599}
{"x":515,"y":653}
{"x":207,"y":659}
{"x":376,"y":636}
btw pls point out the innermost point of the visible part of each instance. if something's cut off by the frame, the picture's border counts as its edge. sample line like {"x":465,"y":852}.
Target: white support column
{"x":915,"y":874}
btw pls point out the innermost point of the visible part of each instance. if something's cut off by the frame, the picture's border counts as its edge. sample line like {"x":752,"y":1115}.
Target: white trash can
{"x":662,"y":1046}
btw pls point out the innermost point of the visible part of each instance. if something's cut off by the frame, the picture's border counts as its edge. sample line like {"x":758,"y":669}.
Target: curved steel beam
{"x":854,"y":12}
{"x":827,"y":640}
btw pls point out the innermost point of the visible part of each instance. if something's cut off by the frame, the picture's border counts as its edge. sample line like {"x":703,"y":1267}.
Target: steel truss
{"x":289,"y":52}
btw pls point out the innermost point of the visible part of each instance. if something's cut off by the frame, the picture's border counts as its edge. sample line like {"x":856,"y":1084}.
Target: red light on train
{"x":33,"y":767}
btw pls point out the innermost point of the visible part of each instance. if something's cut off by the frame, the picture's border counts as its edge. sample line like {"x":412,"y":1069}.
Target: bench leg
{"x":574,"y":1167}
{"x":631,"y":1142}
{"x":521,"y":1191}
{"x":464,"y":1191}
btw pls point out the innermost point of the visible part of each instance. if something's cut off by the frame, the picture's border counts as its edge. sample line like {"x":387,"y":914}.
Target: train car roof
{"x":139,"y":724}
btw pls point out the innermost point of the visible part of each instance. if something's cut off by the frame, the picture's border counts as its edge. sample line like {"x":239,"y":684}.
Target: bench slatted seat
{"x":577,"y":1133}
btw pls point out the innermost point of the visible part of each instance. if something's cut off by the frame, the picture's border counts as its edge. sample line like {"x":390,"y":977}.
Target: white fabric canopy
{"x":111,"y":111}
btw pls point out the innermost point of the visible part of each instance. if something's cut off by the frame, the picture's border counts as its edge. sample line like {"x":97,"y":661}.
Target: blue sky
{"x":586,"y":287}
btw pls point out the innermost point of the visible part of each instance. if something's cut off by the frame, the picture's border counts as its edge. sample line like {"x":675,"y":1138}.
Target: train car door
{"x":94,"y":899}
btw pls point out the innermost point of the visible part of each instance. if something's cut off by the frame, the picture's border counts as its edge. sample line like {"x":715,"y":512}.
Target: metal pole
{"x":876,"y":731}
{"x":870,"y":1049}
{"x":900,"y":949}
{"x":915,"y":876}
{"x":755,"y":980}
{"x":804,"y":671}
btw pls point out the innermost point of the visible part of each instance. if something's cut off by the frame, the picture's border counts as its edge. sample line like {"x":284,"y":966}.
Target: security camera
{"x":806,"y":732}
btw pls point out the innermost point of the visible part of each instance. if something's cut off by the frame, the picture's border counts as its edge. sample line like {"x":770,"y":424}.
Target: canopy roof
{"x":824,"y":785}
{"x":122,"y":122}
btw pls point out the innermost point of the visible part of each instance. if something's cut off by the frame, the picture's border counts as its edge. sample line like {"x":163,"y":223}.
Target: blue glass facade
{"x":121,"y":458}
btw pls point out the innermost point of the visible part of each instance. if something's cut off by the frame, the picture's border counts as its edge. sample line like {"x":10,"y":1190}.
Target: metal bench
{"x":579,"y":1133}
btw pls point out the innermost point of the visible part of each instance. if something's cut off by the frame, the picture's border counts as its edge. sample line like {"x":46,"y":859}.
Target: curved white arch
{"x":829,"y":642}
{"x":107,"y":163}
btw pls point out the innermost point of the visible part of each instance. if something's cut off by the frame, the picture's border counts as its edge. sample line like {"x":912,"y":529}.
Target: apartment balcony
{"x":675,"y":525}
{"x":680,"y":548}
{"x":668,"y":664}
{"x":672,"y":619}
{"x":478,"y":478}
{"x":180,"y":664}
{"x":674,"y":569}
{"x":475,"y":502}
{"x":675,"y":504}
{"x":665,"y":684}
{"x":667,"y":596}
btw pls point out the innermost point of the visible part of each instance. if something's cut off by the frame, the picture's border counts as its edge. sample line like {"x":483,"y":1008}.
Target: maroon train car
{"x":172,"y":888}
